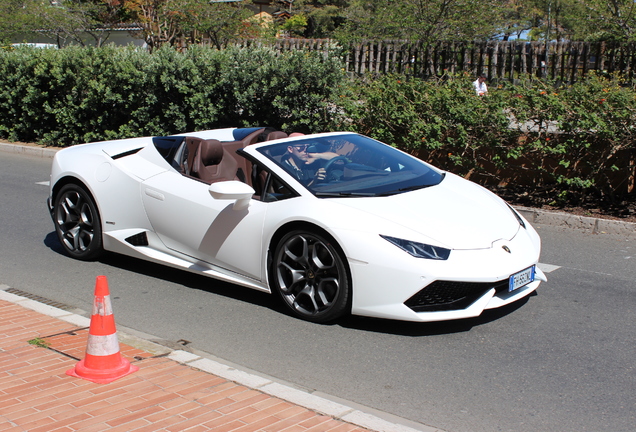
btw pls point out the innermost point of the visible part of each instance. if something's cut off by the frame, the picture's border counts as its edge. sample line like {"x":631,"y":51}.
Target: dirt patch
{"x":578,"y":203}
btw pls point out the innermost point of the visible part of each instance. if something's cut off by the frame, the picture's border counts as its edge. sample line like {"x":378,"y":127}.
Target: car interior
{"x":213,"y":161}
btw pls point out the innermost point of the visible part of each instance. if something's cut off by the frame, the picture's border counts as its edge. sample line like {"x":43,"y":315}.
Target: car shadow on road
{"x":406,"y":328}
{"x":52,"y":242}
{"x":189,"y":280}
{"x":176,"y":276}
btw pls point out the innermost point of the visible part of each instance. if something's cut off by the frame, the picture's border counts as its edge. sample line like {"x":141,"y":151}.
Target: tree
{"x":427,"y":21}
{"x":551,"y":19}
{"x":163,"y":21}
{"x":517,"y":17}
{"x":220,"y":22}
{"x":75,"y":20}
{"x":592,"y":20}
{"x":323,"y":16}
{"x":15,"y":19}
{"x":159,"y":19}
{"x":295,"y":25}
{"x":63,"y":21}
{"x":8,"y":28}
{"x":611,"y":20}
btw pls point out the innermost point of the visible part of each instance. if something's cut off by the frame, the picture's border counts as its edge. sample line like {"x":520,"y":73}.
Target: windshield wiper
{"x":405,"y":189}
{"x":344,"y":194}
{"x":412,"y":187}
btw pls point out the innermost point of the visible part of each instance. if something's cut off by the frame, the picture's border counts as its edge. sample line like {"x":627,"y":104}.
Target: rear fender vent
{"x":126,"y":153}
{"x":140,"y":239}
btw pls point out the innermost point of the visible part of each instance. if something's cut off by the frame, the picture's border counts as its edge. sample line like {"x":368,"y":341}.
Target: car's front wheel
{"x":77,"y":223}
{"x":310,"y":276}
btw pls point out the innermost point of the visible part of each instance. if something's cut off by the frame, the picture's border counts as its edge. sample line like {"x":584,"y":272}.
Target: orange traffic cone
{"x":103,"y":362}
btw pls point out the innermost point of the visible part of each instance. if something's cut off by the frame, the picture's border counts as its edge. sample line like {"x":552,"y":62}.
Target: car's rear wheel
{"x":77,"y":223}
{"x":310,"y":276}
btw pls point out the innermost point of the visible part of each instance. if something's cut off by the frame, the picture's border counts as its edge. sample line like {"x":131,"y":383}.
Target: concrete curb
{"x":583,"y":223}
{"x":28,"y":150}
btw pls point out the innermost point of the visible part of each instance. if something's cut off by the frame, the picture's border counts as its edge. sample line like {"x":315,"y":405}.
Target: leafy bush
{"x":573,"y":139}
{"x":443,"y":120}
{"x":75,"y":95}
{"x":292,"y":90}
{"x":570,"y":139}
{"x":583,"y":134}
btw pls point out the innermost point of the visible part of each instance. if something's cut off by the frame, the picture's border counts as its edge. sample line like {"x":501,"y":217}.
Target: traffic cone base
{"x":100,"y":375}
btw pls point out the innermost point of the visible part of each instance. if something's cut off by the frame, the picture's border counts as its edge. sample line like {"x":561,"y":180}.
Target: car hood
{"x":456,"y":213}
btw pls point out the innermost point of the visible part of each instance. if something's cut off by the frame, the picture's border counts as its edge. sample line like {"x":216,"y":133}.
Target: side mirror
{"x":233,"y":190}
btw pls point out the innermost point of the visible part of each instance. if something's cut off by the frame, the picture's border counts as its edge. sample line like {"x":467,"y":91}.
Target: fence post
{"x":585,"y":59}
{"x":600,"y":57}
{"x":567,"y":61}
{"x":575,"y":61}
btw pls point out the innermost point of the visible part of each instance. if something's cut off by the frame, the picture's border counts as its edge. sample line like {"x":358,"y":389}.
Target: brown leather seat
{"x":212,"y":163}
{"x":215,"y":161}
{"x":192,"y":147}
{"x":276,"y":135}
{"x":244,"y":166}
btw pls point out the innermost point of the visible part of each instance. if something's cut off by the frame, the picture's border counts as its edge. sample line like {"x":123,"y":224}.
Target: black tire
{"x":77,"y":223}
{"x":310,"y":276}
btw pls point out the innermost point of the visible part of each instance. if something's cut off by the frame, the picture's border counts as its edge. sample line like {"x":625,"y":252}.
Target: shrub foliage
{"x":572,"y":139}
{"x":76,"y":95}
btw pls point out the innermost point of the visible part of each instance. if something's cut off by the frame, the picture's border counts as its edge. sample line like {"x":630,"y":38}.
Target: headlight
{"x":419,"y":250}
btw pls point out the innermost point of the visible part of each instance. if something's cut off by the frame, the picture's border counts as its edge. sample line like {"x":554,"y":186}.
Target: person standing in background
{"x":480,"y":86}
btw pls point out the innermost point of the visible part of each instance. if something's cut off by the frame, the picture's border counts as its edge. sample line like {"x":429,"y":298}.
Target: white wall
{"x":117,"y":37}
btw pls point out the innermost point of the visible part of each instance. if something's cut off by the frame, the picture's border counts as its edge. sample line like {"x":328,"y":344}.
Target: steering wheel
{"x":330,"y":168}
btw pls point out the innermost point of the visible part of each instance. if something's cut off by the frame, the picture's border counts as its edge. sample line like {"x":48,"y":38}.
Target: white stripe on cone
{"x":102,"y":345}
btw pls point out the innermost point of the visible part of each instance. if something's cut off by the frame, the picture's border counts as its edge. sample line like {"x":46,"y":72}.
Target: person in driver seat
{"x":303,"y":162}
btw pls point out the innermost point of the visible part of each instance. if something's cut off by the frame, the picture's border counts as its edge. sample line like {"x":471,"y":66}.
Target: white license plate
{"x":523,"y":278}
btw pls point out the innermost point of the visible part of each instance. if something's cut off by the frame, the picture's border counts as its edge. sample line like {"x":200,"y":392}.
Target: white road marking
{"x":44,"y":183}
{"x":547,"y":268}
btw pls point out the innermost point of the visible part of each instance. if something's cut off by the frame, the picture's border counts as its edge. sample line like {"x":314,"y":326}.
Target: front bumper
{"x":389,"y":283}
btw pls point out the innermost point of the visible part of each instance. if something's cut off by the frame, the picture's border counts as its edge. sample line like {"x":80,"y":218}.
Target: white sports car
{"x":332,"y":223}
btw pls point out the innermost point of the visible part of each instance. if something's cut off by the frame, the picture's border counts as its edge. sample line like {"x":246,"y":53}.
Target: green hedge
{"x":75,"y":95}
{"x":574,"y":139}
{"x":568,"y":138}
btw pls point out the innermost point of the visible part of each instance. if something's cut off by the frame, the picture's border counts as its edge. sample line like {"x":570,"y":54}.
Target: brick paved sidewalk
{"x":164,"y":395}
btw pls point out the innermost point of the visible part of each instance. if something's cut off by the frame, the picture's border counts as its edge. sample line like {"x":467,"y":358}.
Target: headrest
{"x":211,"y":152}
{"x":276,"y":135}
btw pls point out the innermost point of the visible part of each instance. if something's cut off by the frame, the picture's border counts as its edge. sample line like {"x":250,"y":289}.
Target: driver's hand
{"x":321,"y":174}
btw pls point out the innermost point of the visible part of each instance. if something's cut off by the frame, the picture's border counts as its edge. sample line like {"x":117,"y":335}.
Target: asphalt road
{"x":563,"y":360}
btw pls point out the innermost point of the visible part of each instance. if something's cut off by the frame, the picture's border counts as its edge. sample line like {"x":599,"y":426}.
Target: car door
{"x":190,"y":221}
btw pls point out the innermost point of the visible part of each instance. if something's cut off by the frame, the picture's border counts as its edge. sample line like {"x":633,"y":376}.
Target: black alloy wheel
{"x":77,"y":223}
{"x":310,"y":276}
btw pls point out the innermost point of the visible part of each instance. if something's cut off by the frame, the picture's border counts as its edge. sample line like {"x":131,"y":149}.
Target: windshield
{"x":351,"y":165}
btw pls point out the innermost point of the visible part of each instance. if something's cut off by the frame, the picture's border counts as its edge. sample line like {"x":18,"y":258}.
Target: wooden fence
{"x":503,"y":60}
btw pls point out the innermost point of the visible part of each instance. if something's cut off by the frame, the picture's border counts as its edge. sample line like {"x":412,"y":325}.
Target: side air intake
{"x":140,"y":239}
